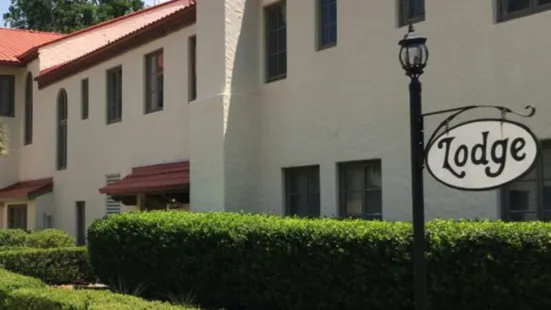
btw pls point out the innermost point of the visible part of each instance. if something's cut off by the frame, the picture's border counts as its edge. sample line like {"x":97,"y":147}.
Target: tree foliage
{"x":65,"y":15}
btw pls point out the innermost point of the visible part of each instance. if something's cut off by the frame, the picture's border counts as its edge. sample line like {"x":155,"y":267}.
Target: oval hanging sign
{"x":482,"y":154}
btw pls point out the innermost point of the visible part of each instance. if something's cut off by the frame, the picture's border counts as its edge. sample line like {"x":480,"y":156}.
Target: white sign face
{"x":482,"y":154}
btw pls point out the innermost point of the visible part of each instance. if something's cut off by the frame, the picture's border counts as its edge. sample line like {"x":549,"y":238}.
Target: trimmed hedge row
{"x":238,"y":261}
{"x":48,"y":238}
{"x":19,"y":292}
{"x":68,"y":265}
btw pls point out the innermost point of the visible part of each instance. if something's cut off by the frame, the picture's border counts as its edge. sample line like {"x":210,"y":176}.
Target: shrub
{"x":13,"y":237}
{"x":49,"y":238}
{"x":10,"y":282}
{"x":241,"y":261}
{"x":54,"y":266}
{"x":54,"y":299}
{"x":18,"y":292}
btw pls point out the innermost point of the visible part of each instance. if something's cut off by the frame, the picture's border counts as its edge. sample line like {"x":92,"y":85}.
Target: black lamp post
{"x":413,"y":57}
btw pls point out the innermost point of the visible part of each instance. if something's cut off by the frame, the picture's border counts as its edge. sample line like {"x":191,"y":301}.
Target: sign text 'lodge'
{"x":482,"y":154}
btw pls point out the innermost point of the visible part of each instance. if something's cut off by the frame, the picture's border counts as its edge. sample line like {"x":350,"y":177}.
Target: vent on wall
{"x":112,"y":206}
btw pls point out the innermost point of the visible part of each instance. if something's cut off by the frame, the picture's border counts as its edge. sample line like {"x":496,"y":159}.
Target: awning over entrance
{"x":155,"y":179}
{"x":27,"y":189}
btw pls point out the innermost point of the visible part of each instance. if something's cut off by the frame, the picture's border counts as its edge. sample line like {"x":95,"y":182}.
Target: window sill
{"x":114,"y":121}
{"x":153,"y":111}
{"x":405,"y":22}
{"x":326,"y":46}
{"x":276,"y":78}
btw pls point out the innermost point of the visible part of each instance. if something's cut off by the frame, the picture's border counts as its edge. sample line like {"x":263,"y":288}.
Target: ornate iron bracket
{"x":458,"y":111}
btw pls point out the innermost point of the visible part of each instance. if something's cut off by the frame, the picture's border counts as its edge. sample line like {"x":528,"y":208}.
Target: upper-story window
{"x":192,"y":68}
{"x":84,"y":98}
{"x":7,"y":95}
{"x":327,"y":12}
{"x":154,"y":75}
{"x":276,"y":41}
{"x":411,"y":10}
{"x":62,"y":130}
{"x":510,"y":9}
{"x":114,"y":95}
{"x":28,"y":138}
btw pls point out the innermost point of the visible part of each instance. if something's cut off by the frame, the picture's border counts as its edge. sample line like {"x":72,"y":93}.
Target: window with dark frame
{"x":411,"y":10}
{"x":81,"y":222}
{"x":192,"y":68}
{"x":511,"y":9}
{"x":62,"y":130}
{"x":28,"y":109}
{"x":276,"y":41}
{"x":112,"y":206}
{"x":154,"y":80}
{"x":302,"y":191}
{"x":85,"y":98}
{"x":529,"y":198}
{"x":114,"y":95}
{"x":327,"y":17}
{"x":361,"y":189}
{"x":17,"y":216}
{"x":7,"y":95}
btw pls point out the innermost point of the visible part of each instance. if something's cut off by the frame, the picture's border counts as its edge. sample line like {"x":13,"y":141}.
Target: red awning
{"x":27,"y":189}
{"x":170,"y":177}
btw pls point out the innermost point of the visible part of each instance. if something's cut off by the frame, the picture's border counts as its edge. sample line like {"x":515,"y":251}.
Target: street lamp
{"x":413,"y":57}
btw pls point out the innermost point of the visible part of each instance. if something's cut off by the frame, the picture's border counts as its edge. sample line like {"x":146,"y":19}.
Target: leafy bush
{"x":18,"y":292}
{"x":67,"y":265}
{"x":241,"y":261}
{"x":48,"y":238}
{"x":10,"y":282}
{"x":58,"y":299}
{"x":13,"y":237}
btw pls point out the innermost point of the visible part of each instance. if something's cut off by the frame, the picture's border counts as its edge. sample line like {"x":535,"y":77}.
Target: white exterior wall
{"x":96,"y":149}
{"x":350,"y":102}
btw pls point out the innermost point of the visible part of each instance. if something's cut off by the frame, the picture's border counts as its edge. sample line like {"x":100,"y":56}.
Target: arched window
{"x":29,"y":109}
{"x":62,"y":130}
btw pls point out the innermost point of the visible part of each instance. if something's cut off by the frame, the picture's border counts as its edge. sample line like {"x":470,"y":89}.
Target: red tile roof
{"x":32,"y":53}
{"x":158,"y":178}
{"x":27,"y":189}
{"x":176,"y":20}
{"x":13,"y":42}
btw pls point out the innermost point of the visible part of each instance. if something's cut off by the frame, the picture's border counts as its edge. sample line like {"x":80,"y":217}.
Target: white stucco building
{"x":260,"y":105}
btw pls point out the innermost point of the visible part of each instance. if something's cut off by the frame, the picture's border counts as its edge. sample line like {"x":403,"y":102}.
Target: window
{"x":327,"y":10}
{"x":114,"y":95}
{"x":192,"y":68}
{"x":302,"y":191}
{"x":17,"y":216}
{"x":62,"y":130}
{"x":7,"y":95}
{"x":112,"y":206}
{"x":276,"y":42}
{"x":411,"y":10}
{"x":85,"y":98}
{"x":529,"y":198}
{"x":154,"y":73}
{"x":510,"y":9}
{"x":29,"y":109}
{"x":360,"y":189}
{"x":81,"y":222}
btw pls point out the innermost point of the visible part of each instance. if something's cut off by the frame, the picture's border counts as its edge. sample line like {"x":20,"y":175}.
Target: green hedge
{"x":48,"y":238}
{"x":19,"y":292}
{"x":238,"y":261}
{"x":67,"y":265}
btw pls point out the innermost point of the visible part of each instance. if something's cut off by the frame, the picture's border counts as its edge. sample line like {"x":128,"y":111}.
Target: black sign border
{"x":532,"y":166}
